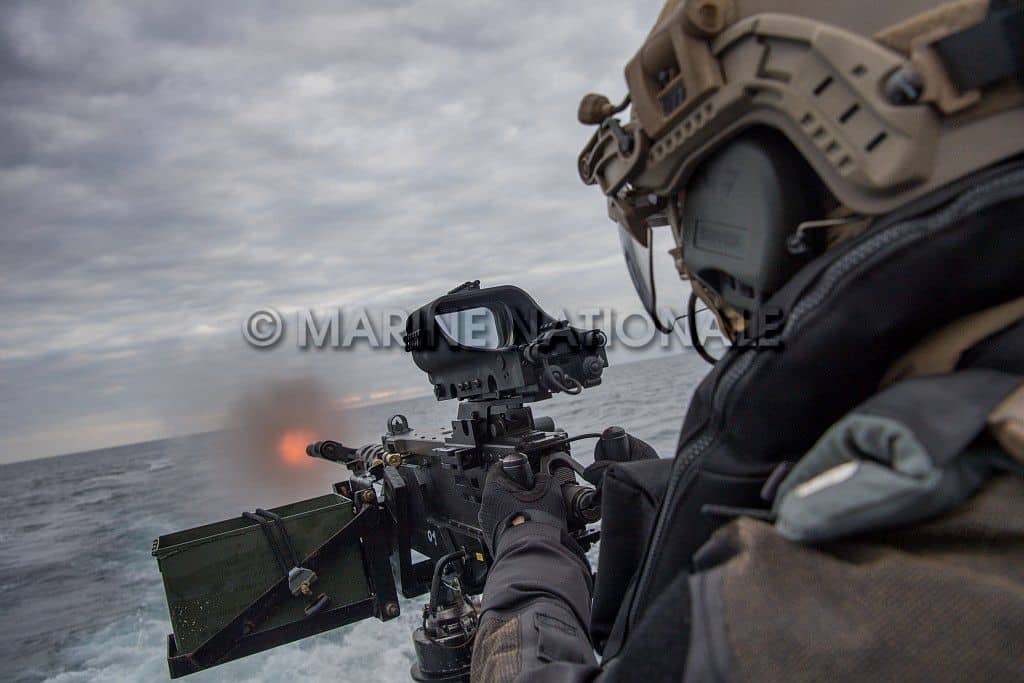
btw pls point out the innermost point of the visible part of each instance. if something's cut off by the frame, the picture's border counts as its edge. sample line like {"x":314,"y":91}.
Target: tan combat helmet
{"x":886,"y":101}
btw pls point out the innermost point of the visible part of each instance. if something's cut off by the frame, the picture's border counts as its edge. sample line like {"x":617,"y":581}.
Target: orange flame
{"x":292,"y":447}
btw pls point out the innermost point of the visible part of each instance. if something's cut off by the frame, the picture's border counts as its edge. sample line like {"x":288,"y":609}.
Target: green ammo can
{"x":228,"y":589}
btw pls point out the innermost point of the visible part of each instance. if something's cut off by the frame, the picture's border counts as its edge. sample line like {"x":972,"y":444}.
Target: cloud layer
{"x":165,"y":169}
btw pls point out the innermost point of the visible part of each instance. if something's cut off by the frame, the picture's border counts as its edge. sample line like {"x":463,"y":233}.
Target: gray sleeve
{"x":535,"y":609}
{"x":537,"y":604}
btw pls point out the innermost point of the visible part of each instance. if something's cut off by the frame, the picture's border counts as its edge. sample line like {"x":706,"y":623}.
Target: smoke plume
{"x":267,"y":432}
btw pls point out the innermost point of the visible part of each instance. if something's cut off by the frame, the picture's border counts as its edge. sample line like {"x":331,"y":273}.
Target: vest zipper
{"x":895,"y":236}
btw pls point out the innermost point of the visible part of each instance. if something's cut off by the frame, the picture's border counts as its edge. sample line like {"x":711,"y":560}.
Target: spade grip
{"x":516,"y":467}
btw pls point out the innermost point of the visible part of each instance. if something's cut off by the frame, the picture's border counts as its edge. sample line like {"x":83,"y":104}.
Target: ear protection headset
{"x":738,"y":212}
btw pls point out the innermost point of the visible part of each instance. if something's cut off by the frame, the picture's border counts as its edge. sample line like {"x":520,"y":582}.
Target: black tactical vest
{"x":846,"y":318}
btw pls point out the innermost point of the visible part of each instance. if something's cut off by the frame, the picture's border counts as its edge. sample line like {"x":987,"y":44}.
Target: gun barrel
{"x":330,"y":450}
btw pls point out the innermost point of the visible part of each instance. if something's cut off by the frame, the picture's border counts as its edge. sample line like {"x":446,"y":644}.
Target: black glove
{"x":504,"y":498}
{"x":616,"y":445}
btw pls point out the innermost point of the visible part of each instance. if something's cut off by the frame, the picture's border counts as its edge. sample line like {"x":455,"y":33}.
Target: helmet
{"x":766,"y":131}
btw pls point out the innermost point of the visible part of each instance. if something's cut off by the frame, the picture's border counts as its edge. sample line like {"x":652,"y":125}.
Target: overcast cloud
{"x":166,"y":168}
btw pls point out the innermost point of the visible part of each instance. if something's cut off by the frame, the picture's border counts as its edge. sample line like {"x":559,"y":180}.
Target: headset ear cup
{"x":741,"y":206}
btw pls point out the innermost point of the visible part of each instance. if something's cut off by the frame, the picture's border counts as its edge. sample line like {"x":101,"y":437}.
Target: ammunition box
{"x":219,"y":578}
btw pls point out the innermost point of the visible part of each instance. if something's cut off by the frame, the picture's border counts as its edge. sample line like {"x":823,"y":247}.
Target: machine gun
{"x":410,"y":503}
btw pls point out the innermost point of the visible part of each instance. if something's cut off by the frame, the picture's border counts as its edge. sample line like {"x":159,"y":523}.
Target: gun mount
{"x":412,"y":499}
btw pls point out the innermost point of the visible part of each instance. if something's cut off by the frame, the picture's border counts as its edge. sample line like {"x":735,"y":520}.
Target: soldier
{"x":844,"y":185}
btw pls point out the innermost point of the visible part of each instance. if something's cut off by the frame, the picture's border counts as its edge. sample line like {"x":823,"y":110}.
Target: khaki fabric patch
{"x":941,"y":21}
{"x":939,"y":353}
{"x":1007,"y":424}
{"x":939,"y":601}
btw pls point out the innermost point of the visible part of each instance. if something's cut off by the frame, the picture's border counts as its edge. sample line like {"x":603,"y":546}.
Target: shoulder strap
{"x":940,"y":353}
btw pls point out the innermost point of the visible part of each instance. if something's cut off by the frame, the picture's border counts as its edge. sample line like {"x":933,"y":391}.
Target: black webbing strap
{"x":988,"y":52}
{"x":250,"y":624}
{"x":268,"y":521}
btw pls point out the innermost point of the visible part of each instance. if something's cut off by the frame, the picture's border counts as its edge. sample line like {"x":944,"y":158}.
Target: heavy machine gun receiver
{"x":409,"y":503}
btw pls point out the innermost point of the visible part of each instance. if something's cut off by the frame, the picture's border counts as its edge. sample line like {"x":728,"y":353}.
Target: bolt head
{"x":708,"y":18}
{"x":903,"y":86}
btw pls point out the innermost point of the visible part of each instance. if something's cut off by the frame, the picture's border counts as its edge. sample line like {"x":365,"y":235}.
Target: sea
{"x":81,"y":597}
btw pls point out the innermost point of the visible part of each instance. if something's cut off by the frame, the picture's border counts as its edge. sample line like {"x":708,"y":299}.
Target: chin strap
{"x":691,"y":321}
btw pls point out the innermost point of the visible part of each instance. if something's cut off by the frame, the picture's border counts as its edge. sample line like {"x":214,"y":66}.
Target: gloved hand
{"x":616,"y":445}
{"x":504,"y":499}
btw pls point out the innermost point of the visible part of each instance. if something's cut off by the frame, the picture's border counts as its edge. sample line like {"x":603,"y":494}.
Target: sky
{"x":168,"y":168}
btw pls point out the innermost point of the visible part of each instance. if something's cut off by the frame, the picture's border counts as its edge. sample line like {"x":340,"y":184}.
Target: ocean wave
{"x":132,"y":649}
{"x":81,"y":528}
